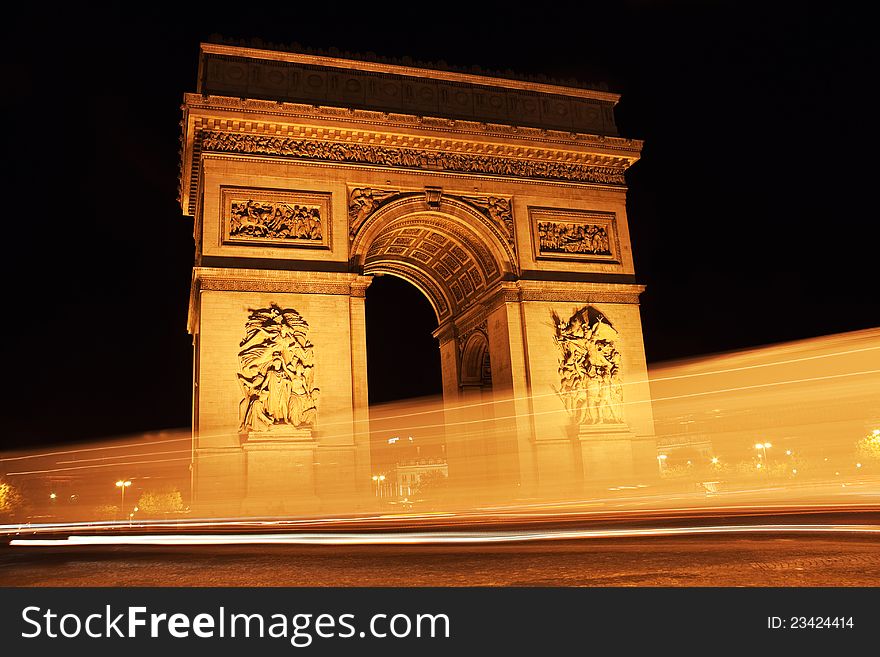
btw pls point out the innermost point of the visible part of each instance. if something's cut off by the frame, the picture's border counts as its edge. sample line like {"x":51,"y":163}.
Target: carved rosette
{"x":589,"y":367}
{"x":276,"y":371}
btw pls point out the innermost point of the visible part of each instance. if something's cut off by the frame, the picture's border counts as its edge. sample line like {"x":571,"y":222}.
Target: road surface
{"x":770,"y":557}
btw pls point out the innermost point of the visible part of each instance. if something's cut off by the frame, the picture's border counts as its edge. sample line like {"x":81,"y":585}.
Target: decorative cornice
{"x":571,"y":168}
{"x":359,"y":286}
{"x":580,"y":292}
{"x":604,"y":163}
{"x":200,"y":104}
{"x":555,"y":292}
{"x":445,"y":332}
{"x":266,"y":280}
{"x":202,"y":113}
{"x":471,"y":318}
{"x":505,"y":292}
{"x":582,"y":297}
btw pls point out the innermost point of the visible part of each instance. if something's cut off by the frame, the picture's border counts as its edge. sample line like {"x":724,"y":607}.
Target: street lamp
{"x":378,"y":479}
{"x":122,"y":485}
{"x":661,"y":459}
{"x":764,"y":447}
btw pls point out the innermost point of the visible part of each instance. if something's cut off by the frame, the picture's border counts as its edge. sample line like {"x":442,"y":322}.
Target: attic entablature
{"x":300,"y":78}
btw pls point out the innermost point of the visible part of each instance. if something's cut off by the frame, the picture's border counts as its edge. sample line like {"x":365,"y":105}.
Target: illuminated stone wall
{"x":500,"y":227}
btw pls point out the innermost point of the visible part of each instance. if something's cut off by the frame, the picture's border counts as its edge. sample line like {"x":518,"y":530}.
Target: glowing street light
{"x":714,"y":460}
{"x":52,"y":496}
{"x":378,"y":479}
{"x":122,"y":485}
{"x":764,"y":447}
{"x":661,"y":459}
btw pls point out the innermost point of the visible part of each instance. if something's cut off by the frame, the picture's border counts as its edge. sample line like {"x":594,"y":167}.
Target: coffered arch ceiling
{"x":447,"y":253}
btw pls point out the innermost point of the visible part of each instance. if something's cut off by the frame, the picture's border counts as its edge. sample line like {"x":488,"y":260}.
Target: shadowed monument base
{"x":279,"y":468}
{"x":594,"y":458}
{"x":607,"y":454}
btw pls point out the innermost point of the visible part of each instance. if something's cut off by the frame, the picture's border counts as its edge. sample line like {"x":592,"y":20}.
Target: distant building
{"x":408,"y":474}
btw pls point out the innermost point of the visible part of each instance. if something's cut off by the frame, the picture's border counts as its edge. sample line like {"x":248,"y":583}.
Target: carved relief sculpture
{"x":276,"y":363}
{"x":280,"y":221}
{"x":499,"y":211}
{"x":257,"y":144}
{"x":277,"y":217}
{"x":361,"y":203}
{"x":561,"y":234}
{"x":589,"y":367}
{"x":589,"y":239}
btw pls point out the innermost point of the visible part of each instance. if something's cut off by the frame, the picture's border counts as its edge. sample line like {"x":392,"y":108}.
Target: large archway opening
{"x":442,"y":257}
{"x":407,"y":444}
{"x":403,"y":361}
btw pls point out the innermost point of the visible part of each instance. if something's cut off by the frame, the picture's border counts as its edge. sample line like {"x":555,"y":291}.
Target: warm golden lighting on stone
{"x":517,"y":236}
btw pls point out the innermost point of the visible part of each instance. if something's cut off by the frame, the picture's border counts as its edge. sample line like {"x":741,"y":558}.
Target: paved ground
{"x":764,"y":560}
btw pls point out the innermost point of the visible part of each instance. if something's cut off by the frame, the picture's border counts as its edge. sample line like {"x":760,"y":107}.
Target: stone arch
{"x":475,"y":360}
{"x":448,"y":249}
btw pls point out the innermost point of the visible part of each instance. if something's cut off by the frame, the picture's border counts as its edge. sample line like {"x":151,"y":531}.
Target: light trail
{"x":90,"y":449}
{"x":493,"y":403}
{"x":496,"y":401}
{"x":562,"y":412}
{"x":123,"y":456}
{"x":585,"y":511}
{"x":649,"y":380}
{"x":92,"y":467}
{"x":438,"y":538}
{"x":815,"y":401}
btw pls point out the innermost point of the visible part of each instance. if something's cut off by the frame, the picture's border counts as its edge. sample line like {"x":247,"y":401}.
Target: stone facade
{"x":503,"y":227}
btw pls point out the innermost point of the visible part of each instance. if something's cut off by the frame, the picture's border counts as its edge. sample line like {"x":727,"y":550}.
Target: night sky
{"x":751,"y":211}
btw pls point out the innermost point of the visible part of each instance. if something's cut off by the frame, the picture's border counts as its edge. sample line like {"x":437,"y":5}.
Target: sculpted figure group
{"x":275,"y":221}
{"x":589,"y":367}
{"x":276,"y":371}
{"x":573,"y":238}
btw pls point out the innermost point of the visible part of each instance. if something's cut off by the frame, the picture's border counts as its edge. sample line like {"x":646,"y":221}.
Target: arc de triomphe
{"x":502,"y":200}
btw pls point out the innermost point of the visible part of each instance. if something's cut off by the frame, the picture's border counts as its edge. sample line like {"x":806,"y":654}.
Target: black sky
{"x":752,"y":211}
